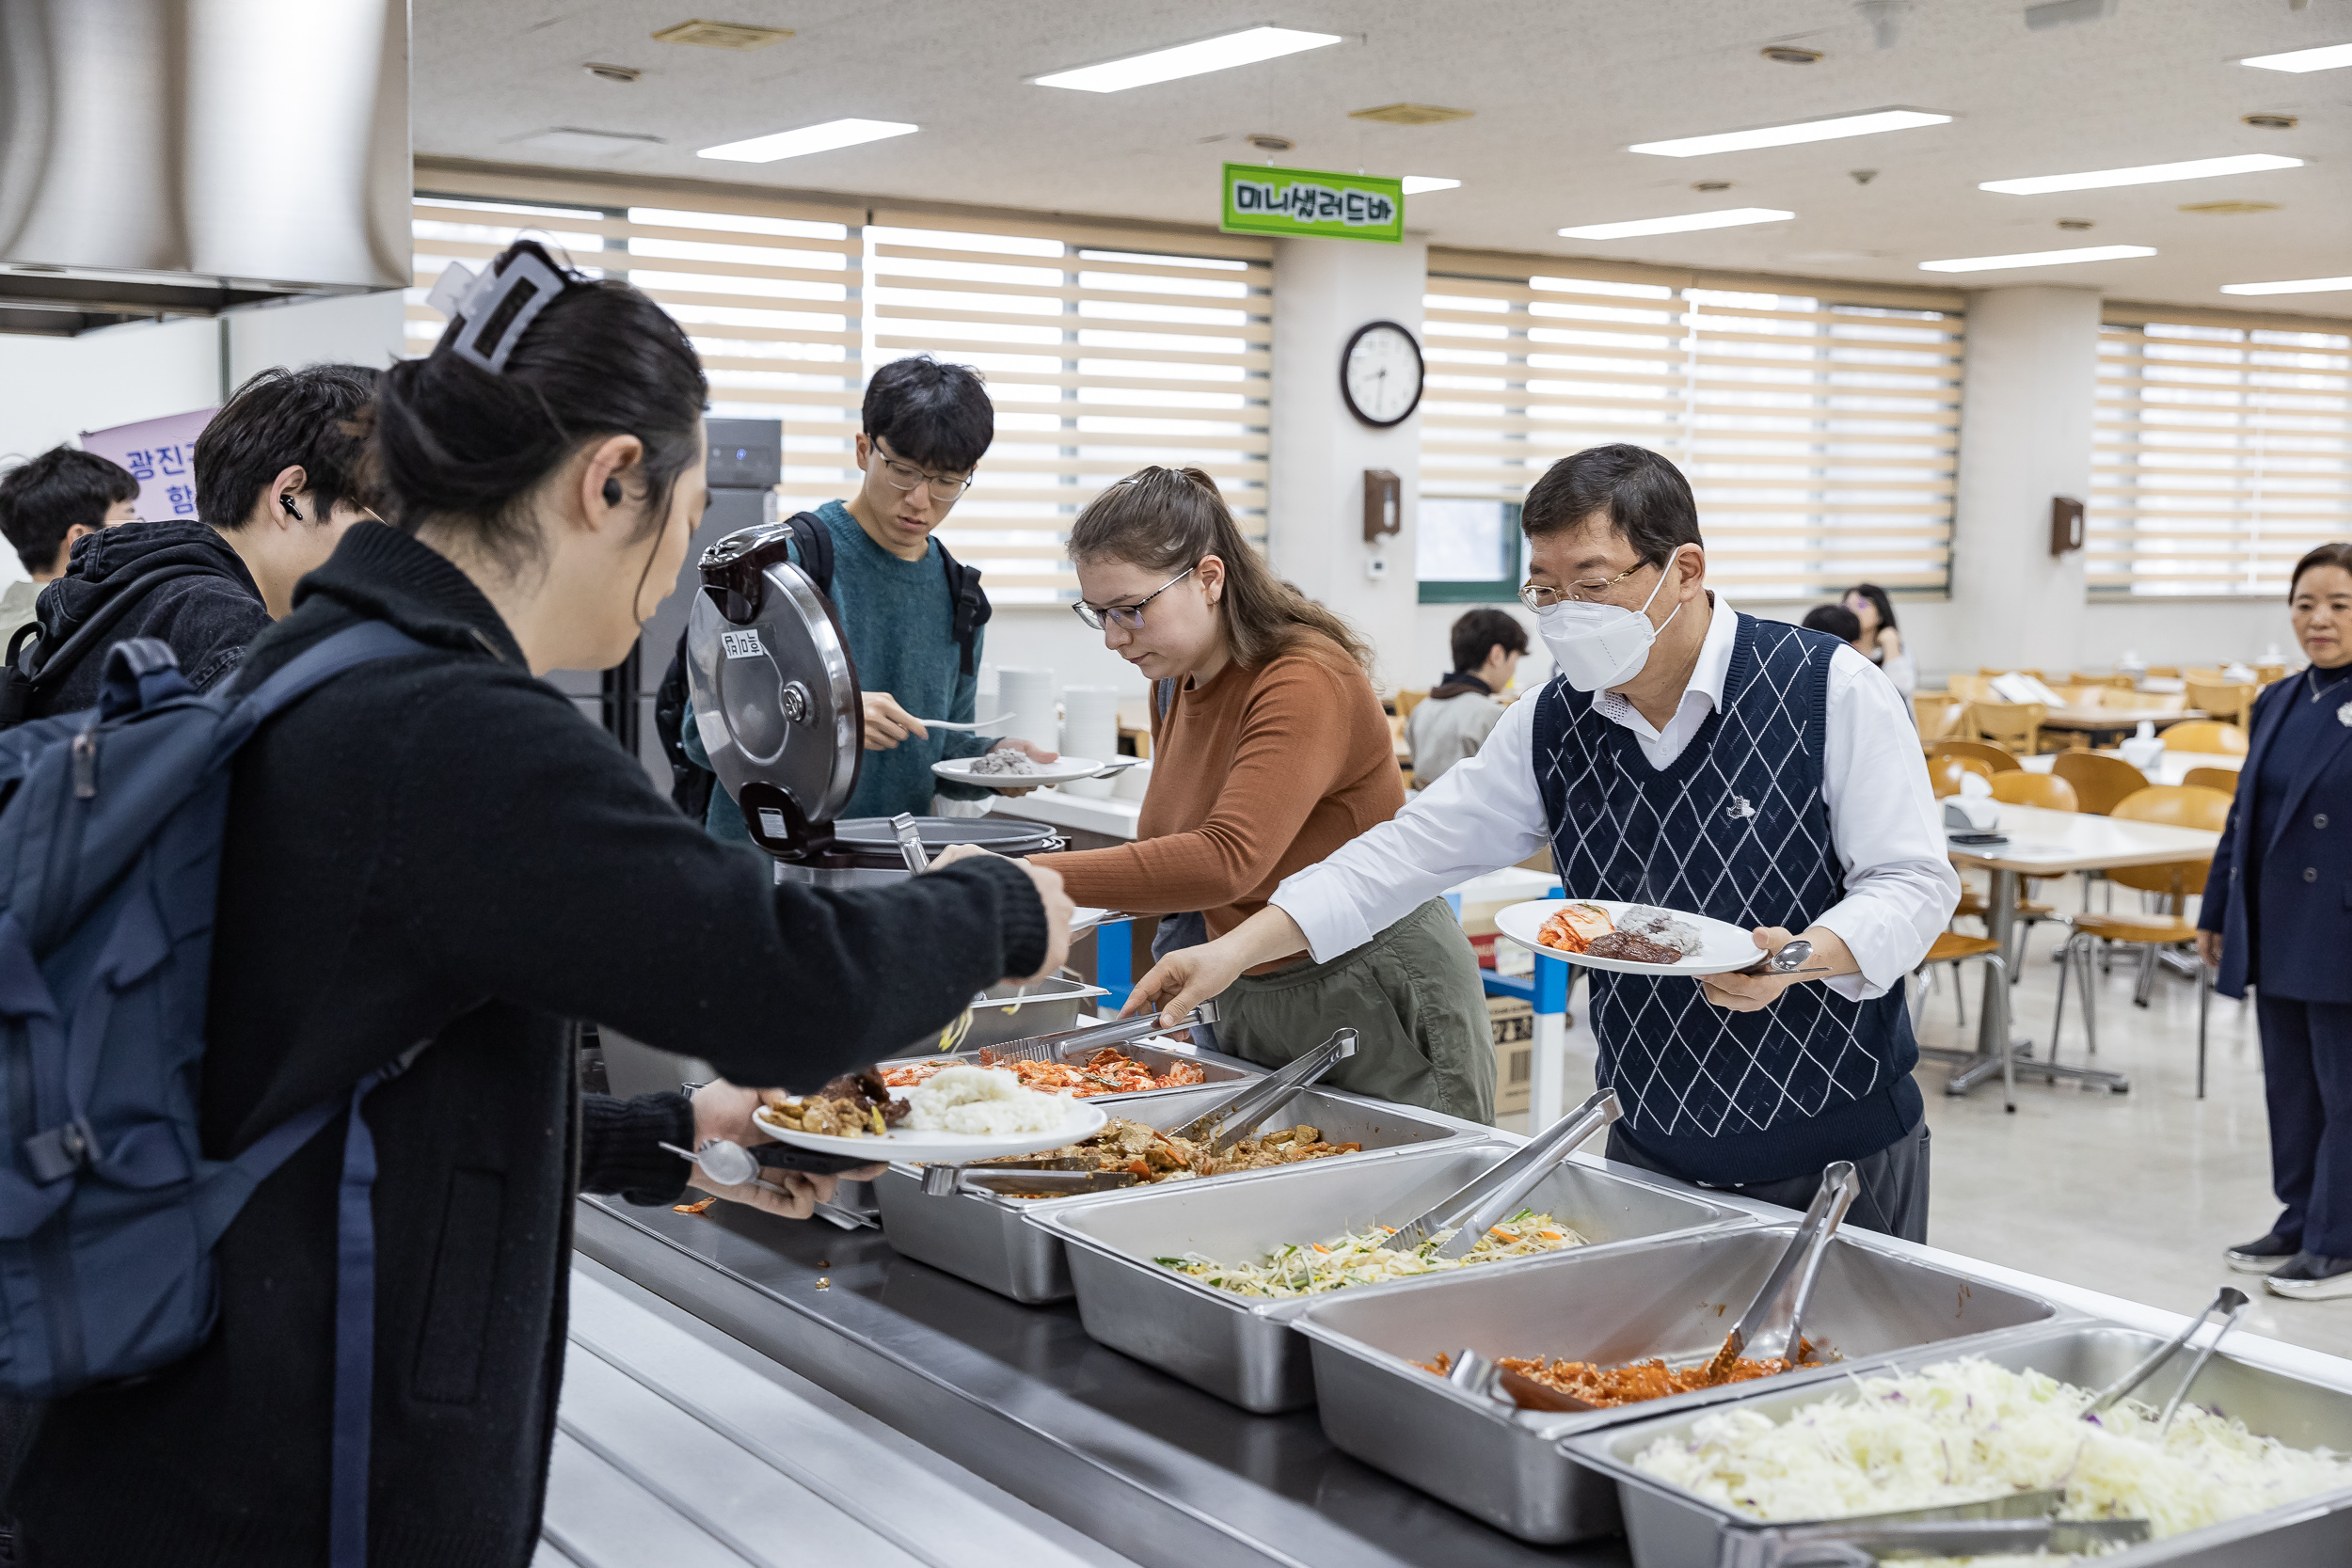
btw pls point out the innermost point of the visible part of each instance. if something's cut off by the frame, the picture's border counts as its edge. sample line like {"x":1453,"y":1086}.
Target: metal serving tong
{"x":1233,"y":1117}
{"x":1473,"y":1374}
{"x":2020,"y":1522}
{"x":910,"y":844}
{"x":1485,"y":1201}
{"x":2231,"y":1302}
{"x":1061,"y":1047}
{"x":1773,"y":1326}
{"x":1057,"y":1179}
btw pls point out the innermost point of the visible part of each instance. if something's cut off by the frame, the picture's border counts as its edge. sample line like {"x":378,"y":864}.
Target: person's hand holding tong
{"x":723,"y":1109}
{"x":1746,"y":990}
{"x":1059,"y":910}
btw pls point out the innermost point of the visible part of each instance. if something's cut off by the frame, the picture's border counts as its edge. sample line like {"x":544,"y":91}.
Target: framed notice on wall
{"x":161,"y":455}
{"x":1295,"y":201}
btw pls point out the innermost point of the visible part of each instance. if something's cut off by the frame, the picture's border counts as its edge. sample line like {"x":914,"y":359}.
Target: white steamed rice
{"x":978,"y":1102}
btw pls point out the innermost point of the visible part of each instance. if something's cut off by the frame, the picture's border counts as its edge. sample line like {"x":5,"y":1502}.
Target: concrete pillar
{"x":2025,"y":437}
{"x":1324,"y":290}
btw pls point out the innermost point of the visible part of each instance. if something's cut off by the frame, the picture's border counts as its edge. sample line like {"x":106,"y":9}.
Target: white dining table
{"x":2050,"y":844}
{"x":2170,"y":768}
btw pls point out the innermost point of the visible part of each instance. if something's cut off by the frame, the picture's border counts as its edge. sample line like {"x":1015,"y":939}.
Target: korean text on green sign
{"x":1261,"y":201}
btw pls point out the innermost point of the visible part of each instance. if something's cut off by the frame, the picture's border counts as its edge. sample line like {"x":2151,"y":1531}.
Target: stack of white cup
{"x":1089,"y":728}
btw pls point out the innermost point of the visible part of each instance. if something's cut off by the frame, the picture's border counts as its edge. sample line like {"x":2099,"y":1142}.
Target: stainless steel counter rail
{"x":1128,"y":1456}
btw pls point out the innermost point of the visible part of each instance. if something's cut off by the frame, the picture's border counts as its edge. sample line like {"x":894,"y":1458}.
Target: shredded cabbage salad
{"x":1967,"y":1430}
{"x":1358,"y":1258}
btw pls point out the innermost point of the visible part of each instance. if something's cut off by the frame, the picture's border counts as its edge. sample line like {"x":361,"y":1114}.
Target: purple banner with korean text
{"x":161,"y":455}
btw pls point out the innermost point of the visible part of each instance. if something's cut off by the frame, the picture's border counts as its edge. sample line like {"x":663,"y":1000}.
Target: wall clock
{"x":1380,"y":374}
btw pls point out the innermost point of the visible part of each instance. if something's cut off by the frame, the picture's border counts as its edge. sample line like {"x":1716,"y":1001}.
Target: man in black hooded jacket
{"x":277,"y":483}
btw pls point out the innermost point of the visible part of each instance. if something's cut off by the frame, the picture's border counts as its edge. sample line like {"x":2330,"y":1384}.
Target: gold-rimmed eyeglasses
{"x":1538,"y":595}
{"x":906,"y":476}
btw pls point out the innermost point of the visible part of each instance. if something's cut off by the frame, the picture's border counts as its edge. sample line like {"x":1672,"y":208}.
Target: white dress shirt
{"x":1489,"y":813}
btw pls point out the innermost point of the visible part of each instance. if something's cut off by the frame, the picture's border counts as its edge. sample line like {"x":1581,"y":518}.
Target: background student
{"x":278,"y":481}
{"x":1881,"y":644}
{"x":1269,"y":752}
{"x":912,"y":614}
{"x":45,"y":505}
{"x":1461,"y":710}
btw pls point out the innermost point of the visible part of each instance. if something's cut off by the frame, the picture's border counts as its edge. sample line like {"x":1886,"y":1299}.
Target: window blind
{"x":1104,"y":348}
{"x":1819,"y":423}
{"x":2223,"y":450}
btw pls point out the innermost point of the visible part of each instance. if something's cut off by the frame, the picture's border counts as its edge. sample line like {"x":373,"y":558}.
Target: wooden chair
{"x":2222,"y":778}
{"x":1936,"y":713}
{"x":1966,"y":688}
{"x":2015,"y":725}
{"x":1407,"y":699}
{"x":2211,"y":674}
{"x":2099,"y":782}
{"x":1950,"y":947}
{"x":1944,"y":772}
{"x":1999,"y":758}
{"x":2265,"y":674}
{"x":2178,"y":806}
{"x":2163,"y":672}
{"x":2232,"y":700}
{"x":2085,"y":678}
{"x":2046,"y":790}
{"x":2076,"y":694}
{"x":1989,"y":671}
{"x":2205,"y":735}
{"x":2023,"y":788}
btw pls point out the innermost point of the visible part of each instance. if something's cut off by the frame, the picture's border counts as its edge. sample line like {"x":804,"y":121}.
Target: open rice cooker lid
{"x":776,"y":704}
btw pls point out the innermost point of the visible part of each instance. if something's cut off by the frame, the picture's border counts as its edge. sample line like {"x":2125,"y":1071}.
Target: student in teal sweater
{"x":925,"y":427}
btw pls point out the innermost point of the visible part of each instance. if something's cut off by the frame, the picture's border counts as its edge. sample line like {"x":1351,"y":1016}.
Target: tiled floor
{"x":2136,"y":1194}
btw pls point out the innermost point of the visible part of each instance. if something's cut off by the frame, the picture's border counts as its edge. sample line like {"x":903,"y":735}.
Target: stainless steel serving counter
{"x":1160,"y":1472}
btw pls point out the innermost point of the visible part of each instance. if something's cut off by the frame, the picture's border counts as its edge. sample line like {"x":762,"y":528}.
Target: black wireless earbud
{"x":611,"y":492}
{"x":287,"y":501}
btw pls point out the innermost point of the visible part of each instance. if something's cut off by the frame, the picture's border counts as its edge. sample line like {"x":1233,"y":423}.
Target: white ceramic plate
{"x":1064,"y":771}
{"x":1723,"y":948}
{"x":1085,"y":1119}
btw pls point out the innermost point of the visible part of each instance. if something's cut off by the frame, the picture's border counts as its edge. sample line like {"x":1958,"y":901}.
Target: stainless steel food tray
{"x":986,"y":1239}
{"x":1674,"y":1297}
{"x":1215,"y":1067}
{"x":1242,"y":1349}
{"x":1670,"y":1528}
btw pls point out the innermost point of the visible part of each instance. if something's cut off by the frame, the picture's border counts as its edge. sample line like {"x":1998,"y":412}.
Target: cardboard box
{"x":1512,"y":1021}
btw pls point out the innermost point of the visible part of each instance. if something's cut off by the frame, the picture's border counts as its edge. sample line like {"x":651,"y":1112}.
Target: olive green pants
{"x":1411,"y":994}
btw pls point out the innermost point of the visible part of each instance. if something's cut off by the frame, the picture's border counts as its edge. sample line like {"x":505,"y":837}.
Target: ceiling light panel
{"x":2328,"y":57}
{"x":1188,"y":60}
{"x":2039,"y":258}
{"x":1789,"y":136}
{"x":808,"y":139}
{"x":2146,"y":174}
{"x":2298,"y":286}
{"x":1729,"y":217}
{"x":1418,"y":184}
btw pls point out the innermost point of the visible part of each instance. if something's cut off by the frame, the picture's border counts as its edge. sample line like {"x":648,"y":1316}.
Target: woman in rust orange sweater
{"x":1269,"y":751}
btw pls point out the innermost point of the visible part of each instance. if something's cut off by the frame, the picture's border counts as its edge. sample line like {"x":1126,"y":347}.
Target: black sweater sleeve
{"x":575,"y":889}
{"x":620,"y":1145}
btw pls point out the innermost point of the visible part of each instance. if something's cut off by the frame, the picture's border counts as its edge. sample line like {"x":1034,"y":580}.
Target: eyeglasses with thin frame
{"x":906,"y":476}
{"x":1129,"y":616}
{"x":1536,"y":596}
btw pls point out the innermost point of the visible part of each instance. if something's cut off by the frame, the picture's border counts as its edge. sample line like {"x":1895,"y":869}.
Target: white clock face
{"x":1383,"y":375}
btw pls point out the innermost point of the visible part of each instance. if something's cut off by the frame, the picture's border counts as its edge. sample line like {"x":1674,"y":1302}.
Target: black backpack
{"x":35,"y":669}
{"x":691,"y":785}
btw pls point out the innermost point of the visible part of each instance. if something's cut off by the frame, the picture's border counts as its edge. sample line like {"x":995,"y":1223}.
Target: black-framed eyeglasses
{"x":906,"y":476}
{"x":1130,"y":616}
{"x":1536,"y":596}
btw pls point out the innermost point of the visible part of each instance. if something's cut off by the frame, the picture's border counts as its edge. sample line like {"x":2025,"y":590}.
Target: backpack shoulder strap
{"x":814,"y":538}
{"x":968,"y":600}
{"x":330,"y":657}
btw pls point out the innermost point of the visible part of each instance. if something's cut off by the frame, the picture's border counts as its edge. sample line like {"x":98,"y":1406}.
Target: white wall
{"x":358,"y":329}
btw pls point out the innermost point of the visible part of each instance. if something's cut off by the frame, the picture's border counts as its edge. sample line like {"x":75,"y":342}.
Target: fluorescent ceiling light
{"x":2038,"y":257}
{"x":2325,"y":58}
{"x":1416,"y":184}
{"x":808,"y":139}
{"x":1188,"y":60}
{"x":1789,"y":135}
{"x":2146,"y":174}
{"x":1729,"y":217}
{"x":2297,"y":286}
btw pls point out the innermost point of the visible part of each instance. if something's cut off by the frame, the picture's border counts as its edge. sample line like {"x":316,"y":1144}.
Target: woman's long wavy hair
{"x":1167,"y":519}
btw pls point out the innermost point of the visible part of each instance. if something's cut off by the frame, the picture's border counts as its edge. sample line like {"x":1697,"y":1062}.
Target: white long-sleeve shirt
{"x":1487,"y":812}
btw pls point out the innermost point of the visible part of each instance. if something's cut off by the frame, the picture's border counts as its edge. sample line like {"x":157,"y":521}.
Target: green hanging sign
{"x":1293,"y":202}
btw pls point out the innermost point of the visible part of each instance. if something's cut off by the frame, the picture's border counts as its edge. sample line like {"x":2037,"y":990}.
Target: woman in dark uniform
{"x":2278,"y":916}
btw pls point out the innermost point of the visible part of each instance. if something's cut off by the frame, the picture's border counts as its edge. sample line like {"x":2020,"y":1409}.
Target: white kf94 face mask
{"x":1601,"y":645}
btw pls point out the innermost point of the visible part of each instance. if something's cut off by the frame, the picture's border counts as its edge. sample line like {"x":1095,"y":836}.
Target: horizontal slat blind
{"x":2223,"y":451}
{"x":1820,"y":429}
{"x":1104,"y":348}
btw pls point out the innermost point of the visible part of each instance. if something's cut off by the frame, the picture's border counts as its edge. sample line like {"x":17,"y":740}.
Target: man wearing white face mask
{"x":1703,"y":760}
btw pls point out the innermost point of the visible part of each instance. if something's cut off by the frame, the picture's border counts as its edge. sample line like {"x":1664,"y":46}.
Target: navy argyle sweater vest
{"x":1734,"y":828}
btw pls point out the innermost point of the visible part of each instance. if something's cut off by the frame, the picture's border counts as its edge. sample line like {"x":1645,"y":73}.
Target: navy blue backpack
{"x":110,"y":844}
